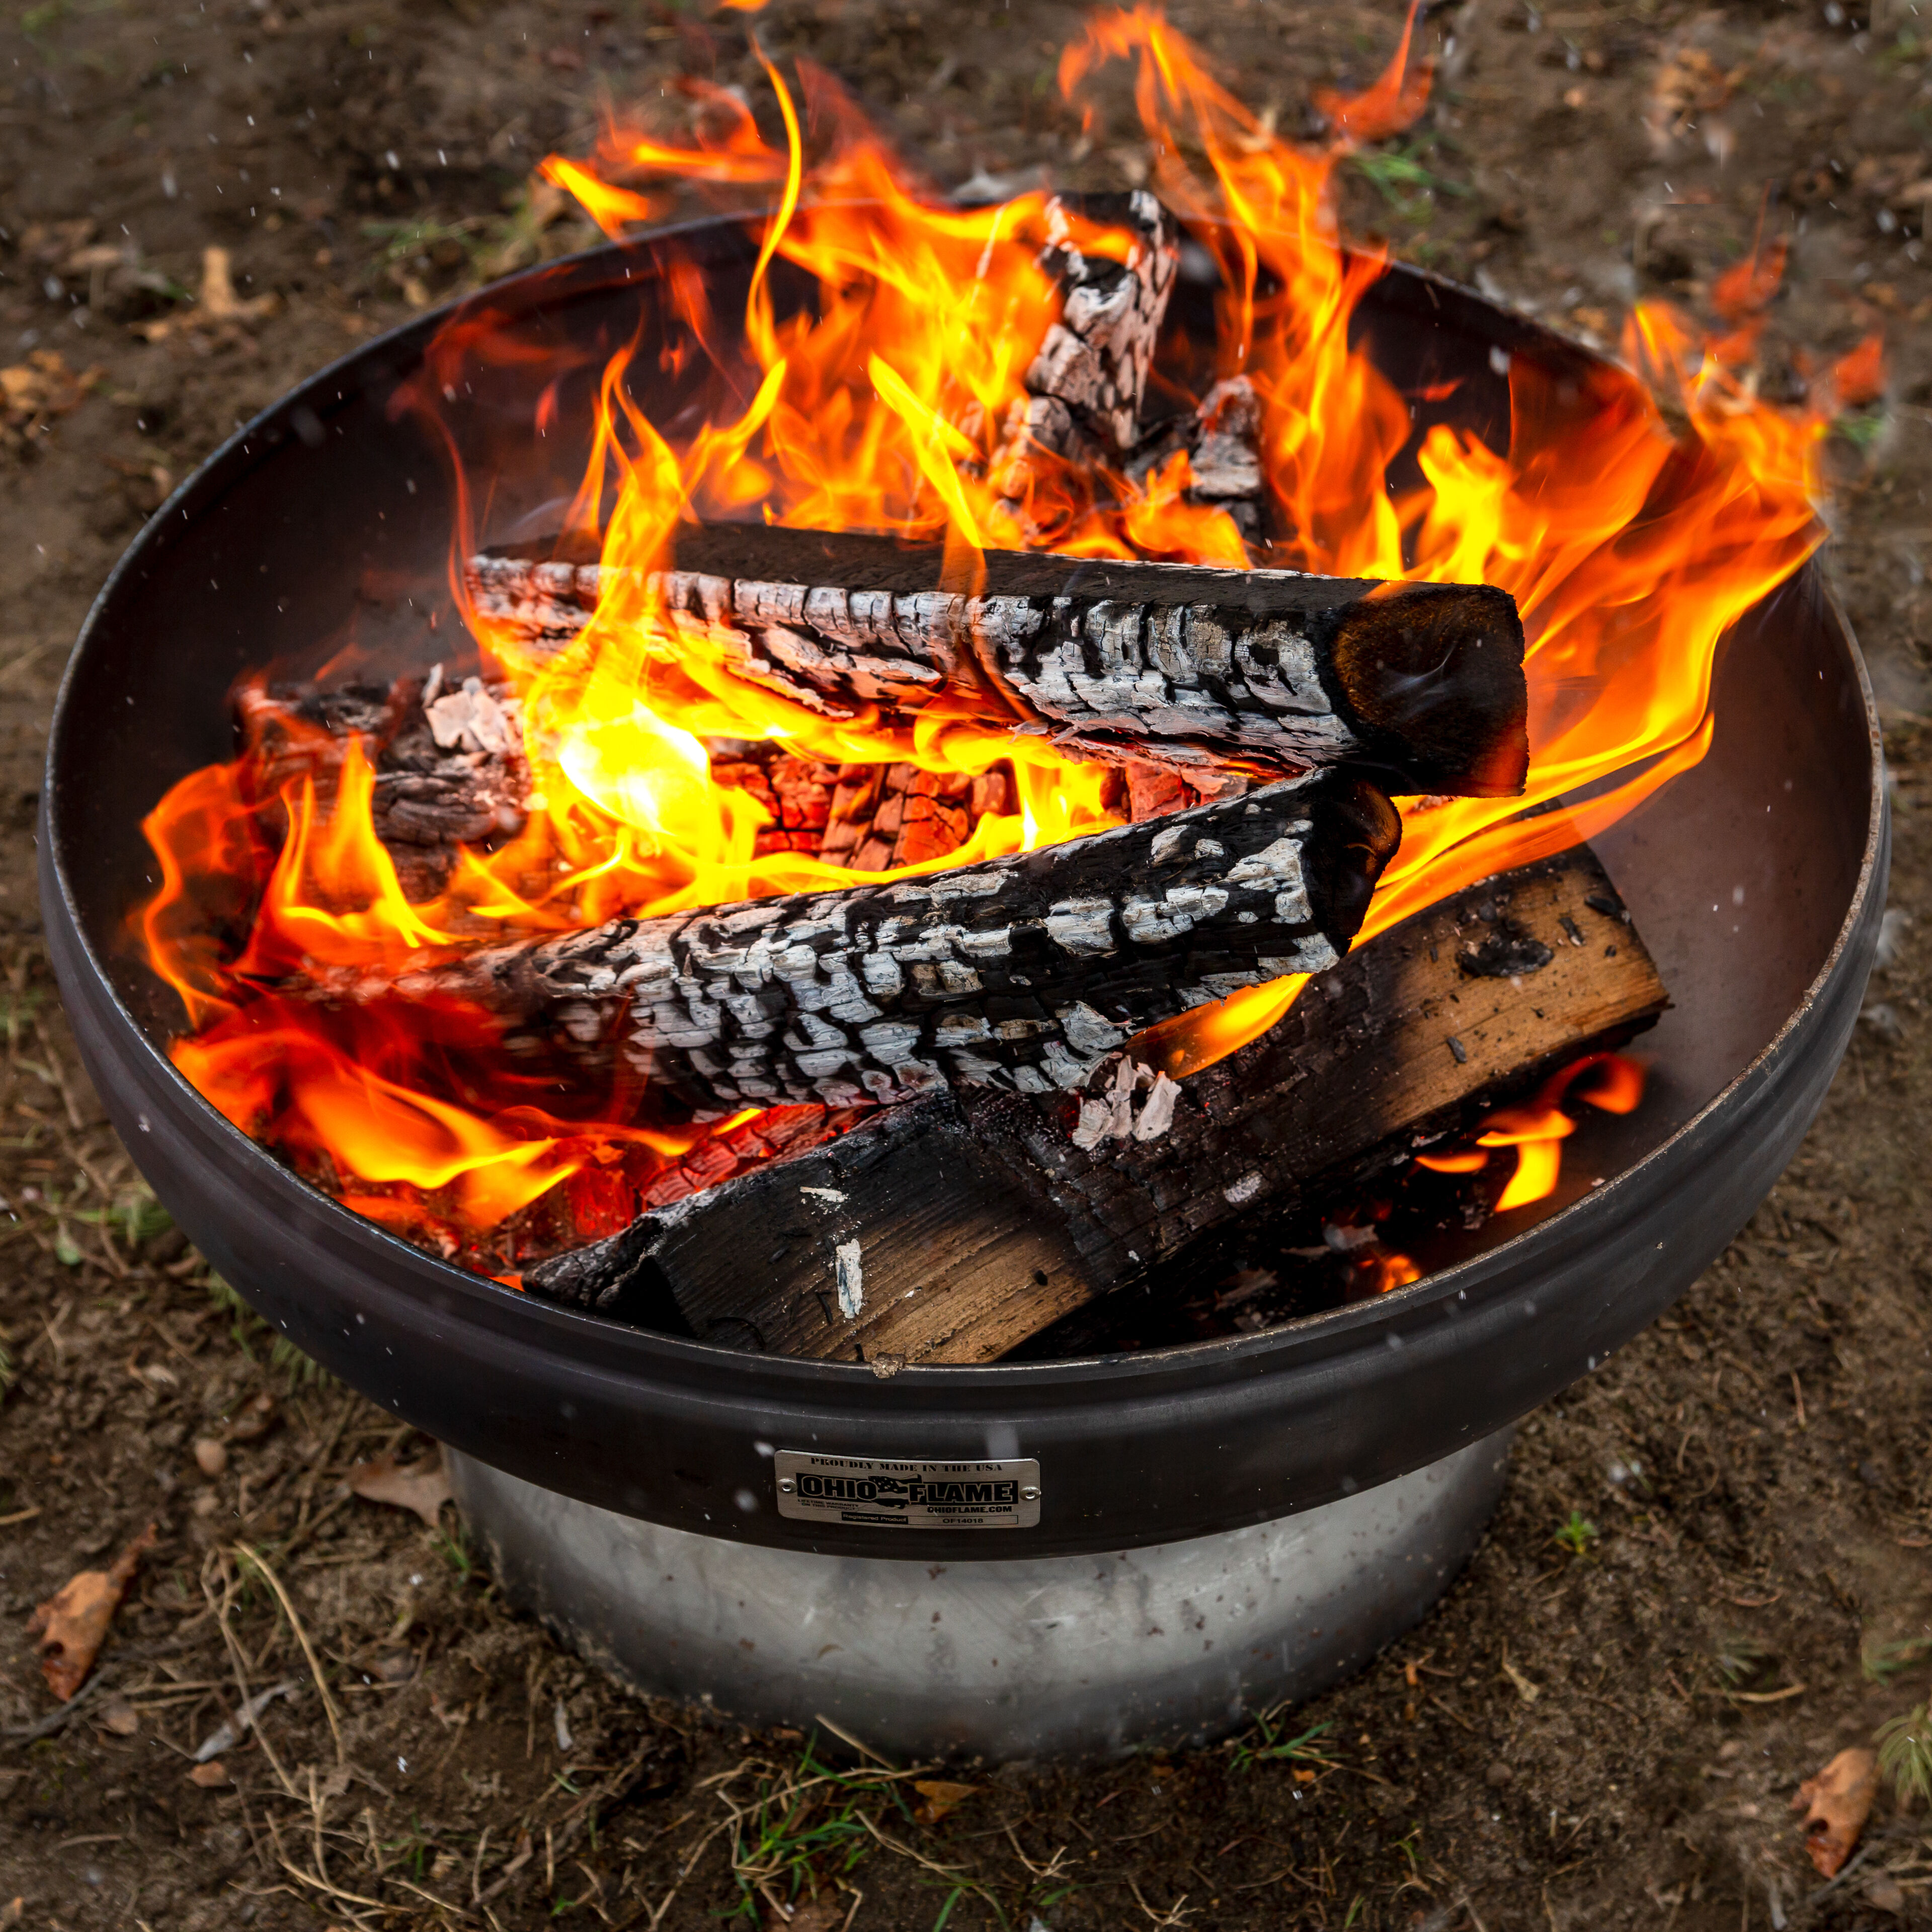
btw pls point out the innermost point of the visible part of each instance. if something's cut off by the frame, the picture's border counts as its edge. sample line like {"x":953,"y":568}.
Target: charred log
{"x":1022,"y":973}
{"x":1222,"y":438}
{"x":952,"y":1229}
{"x":447,"y":759}
{"x":1266,"y":671}
{"x":1085,"y":387}
{"x":866,"y":817}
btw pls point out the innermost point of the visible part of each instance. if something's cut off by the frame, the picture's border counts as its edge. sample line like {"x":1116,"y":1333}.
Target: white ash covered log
{"x":953,"y":1229}
{"x":1267,"y":671}
{"x":1086,"y":386}
{"x":1022,"y":973}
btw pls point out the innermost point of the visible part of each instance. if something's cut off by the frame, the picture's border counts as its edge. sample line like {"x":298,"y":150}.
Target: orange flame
{"x":1634,"y":516}
{"x":1611,"y":1082}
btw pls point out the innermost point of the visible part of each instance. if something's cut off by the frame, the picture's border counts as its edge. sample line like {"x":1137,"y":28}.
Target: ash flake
{"x":850,"y":1278}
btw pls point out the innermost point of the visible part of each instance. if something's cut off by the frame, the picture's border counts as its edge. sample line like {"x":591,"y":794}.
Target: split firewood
{"x":1023,"y":972}
{"x":1222,"y":440}
{"x":1087,"y":388}
{"x":952,"y":1229}
{"x":1204,"y":669}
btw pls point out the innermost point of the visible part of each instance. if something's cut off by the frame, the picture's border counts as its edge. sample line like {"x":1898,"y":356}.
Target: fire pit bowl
{"x":1282,"y":1502}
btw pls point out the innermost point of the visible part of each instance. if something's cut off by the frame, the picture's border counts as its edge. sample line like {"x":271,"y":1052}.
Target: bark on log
{"x":952,"y":1229}
{"x":1085,"y":387}
{"x":1022,"y":973}
{"x":1270,"y":671}
{"x":1222,"y":440}
{"x":448,"y":758}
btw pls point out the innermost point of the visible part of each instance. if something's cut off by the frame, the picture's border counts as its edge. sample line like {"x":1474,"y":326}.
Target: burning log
{"x":868,"y":818}
{"x":1021,"y":972}
{"x":1198,"y":668}
{"x":952,"y":1229}
{"x":1222,"y":440}
{"x":1085,"y":387}
{"x":447,"y":760}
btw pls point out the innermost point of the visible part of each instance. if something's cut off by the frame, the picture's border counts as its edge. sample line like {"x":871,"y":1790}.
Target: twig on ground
{"x":274,"y":1583}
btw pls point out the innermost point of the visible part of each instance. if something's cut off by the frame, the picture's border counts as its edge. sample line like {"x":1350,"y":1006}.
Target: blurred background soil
{"x":1602,"y":1731}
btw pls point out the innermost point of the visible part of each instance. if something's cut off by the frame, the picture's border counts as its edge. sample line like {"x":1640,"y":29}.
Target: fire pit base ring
{"x":1041,"y":1656}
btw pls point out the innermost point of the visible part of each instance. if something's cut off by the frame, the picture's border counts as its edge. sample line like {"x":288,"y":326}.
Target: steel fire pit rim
{"x":1325,"y":1334}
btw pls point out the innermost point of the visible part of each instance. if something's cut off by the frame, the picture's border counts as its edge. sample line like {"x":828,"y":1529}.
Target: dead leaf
{"x":12,"y":1911}
{"x":1524,"y":1689}
{"x":937,"y":1799}
{"x":252,"y":1421}
{"x":33,"y":391}
{"x":421,"y":1485}
{"x":1689,"y":83}
{"x":72,"y":1623}
{"x":217,"y":305}
{"x":218,"y":298}
{"x":1836,"y":1803}
{"x":121,"y":1718}
{"x":1883,"y":1893}
{"x":209,"y":1777}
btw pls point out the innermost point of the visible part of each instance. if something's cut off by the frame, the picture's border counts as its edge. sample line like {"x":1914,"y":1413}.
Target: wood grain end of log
{"x":1434,"y":673}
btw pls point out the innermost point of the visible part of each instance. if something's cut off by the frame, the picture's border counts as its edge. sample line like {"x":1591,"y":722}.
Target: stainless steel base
{"x":1017,"y":1657}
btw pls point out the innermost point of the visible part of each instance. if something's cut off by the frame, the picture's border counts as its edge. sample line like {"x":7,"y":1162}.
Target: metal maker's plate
{"x":907,"y":1495}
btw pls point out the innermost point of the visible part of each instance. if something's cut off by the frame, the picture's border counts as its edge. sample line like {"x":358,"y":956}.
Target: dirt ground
{"x":1598,"y":1735}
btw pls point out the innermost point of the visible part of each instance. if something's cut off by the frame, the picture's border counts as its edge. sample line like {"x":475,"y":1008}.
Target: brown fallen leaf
{"x":1883,"y":1893}
{"x":937,"y":1798}
{"x":422,"y":1486}
{"x":211,"y":1777}
{"x":1836,"y":1803}
{"x":252,"y":1421}
{"x":71,"y":1623}
{"x":217,"y":306}
{"x":34,"y":391}
{"x":121,"y":1718}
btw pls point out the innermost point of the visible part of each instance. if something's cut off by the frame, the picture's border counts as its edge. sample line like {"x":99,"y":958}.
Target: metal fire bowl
{"x":1758,"y":879}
